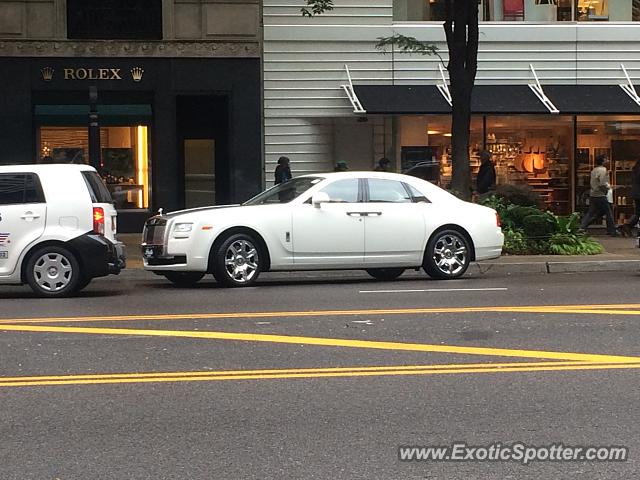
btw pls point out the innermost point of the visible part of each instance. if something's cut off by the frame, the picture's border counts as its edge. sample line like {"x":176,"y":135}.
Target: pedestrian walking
{"x":626,"y":228}
{"x":283,"y":171}
{"x":486,"y":179}
{"x":598,"y":204}
{"x":383,"y":165}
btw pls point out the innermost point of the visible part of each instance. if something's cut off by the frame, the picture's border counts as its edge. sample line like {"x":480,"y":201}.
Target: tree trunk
{"x":461,"y":30}
{"x":460,"y":130}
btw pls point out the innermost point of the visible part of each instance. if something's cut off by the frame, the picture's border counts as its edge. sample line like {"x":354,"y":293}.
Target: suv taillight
{"x":498,"y":224}
{"x":98,"y":220}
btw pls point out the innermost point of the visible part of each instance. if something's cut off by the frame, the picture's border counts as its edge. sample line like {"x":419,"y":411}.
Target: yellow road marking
{"x":621,"y":309}
{"x":93,"y":376}
{"x":329,"y":342}
{"x":306,"y":373}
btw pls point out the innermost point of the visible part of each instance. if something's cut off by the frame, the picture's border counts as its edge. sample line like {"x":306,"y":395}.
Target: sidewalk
{"x":621,"y":254}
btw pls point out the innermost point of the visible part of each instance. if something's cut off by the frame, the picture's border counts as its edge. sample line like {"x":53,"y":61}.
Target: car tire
{"x":385,"y":274}
{"x":448,"y":255}
{"x":237,"y":261}
{"x":53,"y":272}
{"x":183,"y":279}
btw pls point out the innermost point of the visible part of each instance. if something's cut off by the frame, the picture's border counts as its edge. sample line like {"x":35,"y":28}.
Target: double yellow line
{"x":556,"y":361}
{"x":307,"y":373}
{"x":599,"y":309}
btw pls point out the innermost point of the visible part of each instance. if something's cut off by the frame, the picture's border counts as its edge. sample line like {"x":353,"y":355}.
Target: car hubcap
{"x":241,"y":261}
{"x":450,"y":254}
{"x":53,"y":272}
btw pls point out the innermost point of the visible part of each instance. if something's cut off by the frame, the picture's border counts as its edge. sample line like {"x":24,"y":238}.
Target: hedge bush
{"x":531,"y":231}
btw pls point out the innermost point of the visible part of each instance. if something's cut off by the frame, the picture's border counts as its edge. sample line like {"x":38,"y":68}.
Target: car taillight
{"x":98,"y":220}
{"x":498,"y":224}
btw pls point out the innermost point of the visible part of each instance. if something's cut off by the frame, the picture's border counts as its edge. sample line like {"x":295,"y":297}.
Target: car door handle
{"x":364,"y":214}
{"x":30,"y":216}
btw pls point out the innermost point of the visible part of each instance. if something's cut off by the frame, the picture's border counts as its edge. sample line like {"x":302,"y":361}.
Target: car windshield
{"x":284,"y":192}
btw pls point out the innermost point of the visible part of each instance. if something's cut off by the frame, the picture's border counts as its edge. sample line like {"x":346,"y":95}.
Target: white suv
{"x":57,"y":228}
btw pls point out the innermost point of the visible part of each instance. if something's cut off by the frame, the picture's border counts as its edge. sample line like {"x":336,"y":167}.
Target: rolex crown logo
{"x":47,"y":73}
{"x":136,"y":73}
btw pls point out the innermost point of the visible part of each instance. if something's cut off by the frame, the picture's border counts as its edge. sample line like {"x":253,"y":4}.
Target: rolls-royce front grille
{"x":154,"y":231}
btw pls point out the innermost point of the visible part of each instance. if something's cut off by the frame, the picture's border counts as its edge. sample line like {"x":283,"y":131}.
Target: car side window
{"x":33,"y":189}
{"x":11,"y":188}
{"x":16,"y":188}
{"x":343,"y":191}
{"x":416,"y":196}
{"x":387,"y":191}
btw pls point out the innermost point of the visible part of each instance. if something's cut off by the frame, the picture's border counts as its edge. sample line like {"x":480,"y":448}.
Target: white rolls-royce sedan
{"x":380,"y":222}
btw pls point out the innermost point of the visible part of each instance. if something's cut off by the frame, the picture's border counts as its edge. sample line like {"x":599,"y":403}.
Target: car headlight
{"x":182,"y":230}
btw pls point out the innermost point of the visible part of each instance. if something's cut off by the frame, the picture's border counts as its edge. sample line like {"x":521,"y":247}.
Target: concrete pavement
{"x":621,"y":254}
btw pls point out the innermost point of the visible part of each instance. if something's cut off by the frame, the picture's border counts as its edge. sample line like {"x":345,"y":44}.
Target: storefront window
{"x":535,"y":151}
{"x":124,"y":159}
{"x":618,"y":138}
{"x":525,"y":10}
{"x":424,"y":145}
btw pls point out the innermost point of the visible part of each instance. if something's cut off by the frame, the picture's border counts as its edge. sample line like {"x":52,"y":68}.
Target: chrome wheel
{"x":53,"y":272}
{"x":448,"y":255}
{"x":241,"y":261}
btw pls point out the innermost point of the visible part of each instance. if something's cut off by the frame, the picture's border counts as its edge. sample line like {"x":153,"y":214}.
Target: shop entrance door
{"x":199,"y":172}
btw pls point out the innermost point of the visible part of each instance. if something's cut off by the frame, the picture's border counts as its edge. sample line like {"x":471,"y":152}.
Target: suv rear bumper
{"x":98,"y":255}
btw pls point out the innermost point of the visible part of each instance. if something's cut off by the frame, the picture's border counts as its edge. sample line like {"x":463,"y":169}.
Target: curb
{"x":594,"y":266}
{"x":483,"y":268}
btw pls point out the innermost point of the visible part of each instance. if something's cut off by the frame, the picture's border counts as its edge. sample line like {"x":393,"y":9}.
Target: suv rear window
{"x":97,"y":189}
{"x":18,"y":188}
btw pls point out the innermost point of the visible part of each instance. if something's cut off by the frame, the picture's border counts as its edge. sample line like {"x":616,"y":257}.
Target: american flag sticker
{"x":4,"y":238}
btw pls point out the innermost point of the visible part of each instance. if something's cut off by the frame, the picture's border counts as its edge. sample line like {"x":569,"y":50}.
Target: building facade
{"x":162,"y":96}
{"x":544,"y":131}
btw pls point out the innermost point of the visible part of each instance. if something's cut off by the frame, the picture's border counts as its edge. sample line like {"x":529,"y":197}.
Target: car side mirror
{"x":319,"y":198}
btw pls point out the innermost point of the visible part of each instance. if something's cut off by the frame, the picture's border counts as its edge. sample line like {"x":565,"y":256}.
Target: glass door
{"x":199,"y":172}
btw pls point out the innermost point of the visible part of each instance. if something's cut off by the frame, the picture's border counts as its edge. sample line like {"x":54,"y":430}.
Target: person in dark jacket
{"x":283,"y":171}
{"x":626,"y":228}
{"x":486,"y":179}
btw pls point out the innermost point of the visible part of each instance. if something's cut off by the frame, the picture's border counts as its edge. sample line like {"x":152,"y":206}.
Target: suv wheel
{"x":236,"y":262}
{"x":385,"y":274}
{"x":447,"y":255}
{"x":183,"y":279}
{"x":53,"y":272}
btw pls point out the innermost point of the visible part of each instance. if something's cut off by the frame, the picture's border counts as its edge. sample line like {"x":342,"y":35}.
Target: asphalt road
{"x":318,"y":376}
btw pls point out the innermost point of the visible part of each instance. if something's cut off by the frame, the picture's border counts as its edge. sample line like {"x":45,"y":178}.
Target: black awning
{"x":504,"y":99}
{"x":497,"y":99}
{"x":594,"y":99}
{"x":401,"y":99}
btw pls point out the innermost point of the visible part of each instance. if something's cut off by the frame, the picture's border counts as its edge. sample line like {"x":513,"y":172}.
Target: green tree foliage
{"x":316,"y":7}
